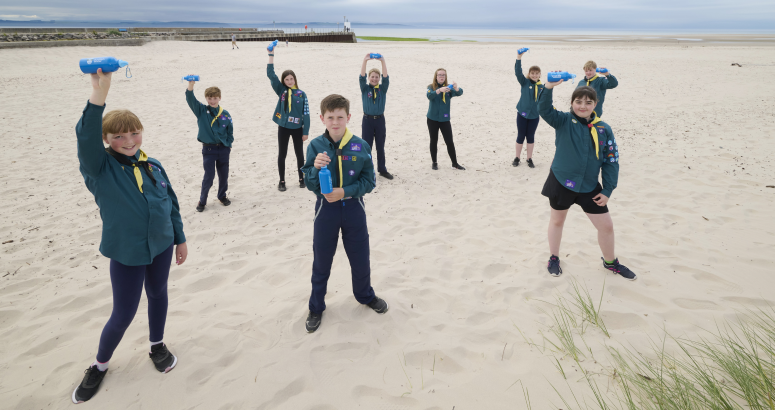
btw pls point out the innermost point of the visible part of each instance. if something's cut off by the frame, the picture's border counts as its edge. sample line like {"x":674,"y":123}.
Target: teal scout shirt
{"x":601,"y":84}
{"x":136,"y":226}
{"x":298,"y":116}
{"x":528,"y":103}
{"x":575,"y":164}
{"x":438,"y":105}
{"x":219,"y":132}
{"x":357,"y":168}
{"x":373,"y":98}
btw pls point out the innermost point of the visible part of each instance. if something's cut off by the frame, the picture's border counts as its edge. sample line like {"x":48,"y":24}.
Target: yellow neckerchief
{"x":536,"y":86}
{"x":345,"y":139}
{"x":220,"y":111}
{"x":376,"y":88}
{"x":290,"y":94}
{"x":138,"y":175}
{"x":591,"y":79}
{"x":444,"y":95}
{"x":592,"y":128}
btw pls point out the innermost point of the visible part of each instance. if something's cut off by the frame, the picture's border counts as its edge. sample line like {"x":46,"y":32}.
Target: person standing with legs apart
{"x":585,"y":148}
{"x":527,"y":109}
{"x":292,"y":118}
{"x":440,"y":95}
{"x":216,"y":133}
{"x":349,"y":176}
{"x":373,"y":95}
{"x":141,"y":225}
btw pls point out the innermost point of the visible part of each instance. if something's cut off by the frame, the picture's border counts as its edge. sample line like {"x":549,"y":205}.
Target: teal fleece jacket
{"x":601,"y":84}
{"x":438,"y":106}
{"x":298,"y":116}
{"x":220,"y":131}
{"x":576,"y":164}
{"x":358,"y":178}
{"x":373,"y":98}
{"x":136,"y":226}
{"x":528,"y":103}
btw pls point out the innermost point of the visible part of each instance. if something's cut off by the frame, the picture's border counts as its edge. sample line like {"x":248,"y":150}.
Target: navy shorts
{"x":561,"y":198}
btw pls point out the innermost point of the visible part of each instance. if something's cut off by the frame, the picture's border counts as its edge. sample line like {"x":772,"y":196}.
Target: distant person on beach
{"x":599,"y":84}
{"x":287,"y":44}
{"x":585,"y":148}
{"x":234,"y":41}
{"x":292,"y":118}
{"x":141,"y":227}
{"x":373,"y":97}
{"x":216,"y":133}
{"x":440,"y":95}
{"x":527,"y":109}
{"x":349,"y":160}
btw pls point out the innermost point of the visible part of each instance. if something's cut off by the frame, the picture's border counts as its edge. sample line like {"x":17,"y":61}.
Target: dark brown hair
{"x":333,"y":102}
{"x":534,"y":68}
{"x":286,"y":73}
{"x":213,"y":92}
{"x":582,"y":92}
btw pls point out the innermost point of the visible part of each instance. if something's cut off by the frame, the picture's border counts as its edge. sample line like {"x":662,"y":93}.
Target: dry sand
{"x":460,"y":256}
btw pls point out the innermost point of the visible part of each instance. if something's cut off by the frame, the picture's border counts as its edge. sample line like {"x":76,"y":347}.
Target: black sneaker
{"x":379,"y":305}
{"x":554,"y":267}
{"x":313,"y":321}
{"x":458,"y":166}
{"x":301,"y":183}
{"x":200,"y":207}
{"x":530,"y":163}
{"x":515,"y":163}
{"x":281,"y":186}
{"x":162,"y":358}
{"x":386,"y":175}
{"x":619,"y":269}
{"x":435,"y":166}
{"x":89,"y":385}
{"x":225,"y":201}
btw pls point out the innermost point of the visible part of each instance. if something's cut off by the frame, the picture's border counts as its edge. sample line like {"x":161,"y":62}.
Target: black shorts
{"x":561,"y":198}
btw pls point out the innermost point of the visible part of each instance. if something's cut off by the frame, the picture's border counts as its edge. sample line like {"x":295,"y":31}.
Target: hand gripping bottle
{"x":375,"y":55}
{"x":601,"y":70}
{"x":522,"y":50}
{"x":326,"y":187}
{"x":107,"y":64}
{"x":191,"y":78}
{"x":555,"y":76}
{"x":272,"y":45}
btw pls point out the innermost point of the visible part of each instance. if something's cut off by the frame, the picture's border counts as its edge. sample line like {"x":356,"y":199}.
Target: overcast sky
{"x":549,"y":14}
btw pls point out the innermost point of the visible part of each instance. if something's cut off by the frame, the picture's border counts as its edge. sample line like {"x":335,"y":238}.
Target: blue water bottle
{"x":601,"y":70}
{"x":522,"y":50}
{"x":555,"y":76}
{"x":107,"y":64}
{"x":375,"y":55}
{"x":272,"y":46}
{"x":191,"y":78}
{"x":326,"y":186}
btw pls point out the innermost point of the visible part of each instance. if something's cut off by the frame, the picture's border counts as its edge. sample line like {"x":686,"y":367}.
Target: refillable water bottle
{"x":555,"y":76}
{"x":601,"y":70}
{"x":326,"y":186}
{"x":375,"y":55}
{"x":522,"y":50}
{"x":107,"y":64}
{"x":272,"y":46}
{"x":191,"y":78}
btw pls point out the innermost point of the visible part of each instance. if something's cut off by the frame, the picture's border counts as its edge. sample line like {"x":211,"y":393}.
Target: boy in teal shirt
{"x":141,"y":225}
{"x":598,"y":83}
{"x":352,"y":175}
{"x":216,"y":133}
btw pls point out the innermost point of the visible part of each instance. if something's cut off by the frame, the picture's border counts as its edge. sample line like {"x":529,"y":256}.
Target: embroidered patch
{"x":355,"y":146}
{"x":351,"y":172}
{"x":610,"y":142}
{"x":617,"y":154}
{"x":613,"y":159}
{"x":570,"y":184}
{"x":369,"y":94}
{"x":163,"y":184}
{"x":345,"y":158}
{"x":524,"y":114}
{"x":446,"y":115}
{"x":277,"y":115}
{"x":354,"y":158}
{"x":282,"y":98}
{"x":295,"y":120}
{"x":610,"y":148}
{"x":601,"y":129}
{"x":602,"y":143}
{"x":298,"y":92}
{"x":290,"y":119}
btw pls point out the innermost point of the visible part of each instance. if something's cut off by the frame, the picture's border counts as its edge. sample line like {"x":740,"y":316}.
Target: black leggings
{"x":283,"y":135}
{"x":446,"y":132}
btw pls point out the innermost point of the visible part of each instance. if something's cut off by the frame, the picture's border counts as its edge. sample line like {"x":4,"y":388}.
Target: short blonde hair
{"x":120,"y":121}
{"x":590,"y":65}
{"x":213,"y":92}
{"x":374,"y":70}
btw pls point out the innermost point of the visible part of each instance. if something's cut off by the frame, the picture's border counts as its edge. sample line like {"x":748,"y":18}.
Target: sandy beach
{"x":460,"y":256}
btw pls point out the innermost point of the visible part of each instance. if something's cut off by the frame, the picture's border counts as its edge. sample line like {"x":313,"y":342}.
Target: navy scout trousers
{"x":375,"y":129}
{"x":215,"y":158}
{"x":349,"y":216}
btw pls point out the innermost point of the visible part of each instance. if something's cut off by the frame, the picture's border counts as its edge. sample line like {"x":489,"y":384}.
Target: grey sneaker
{"x":379,"y":305}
